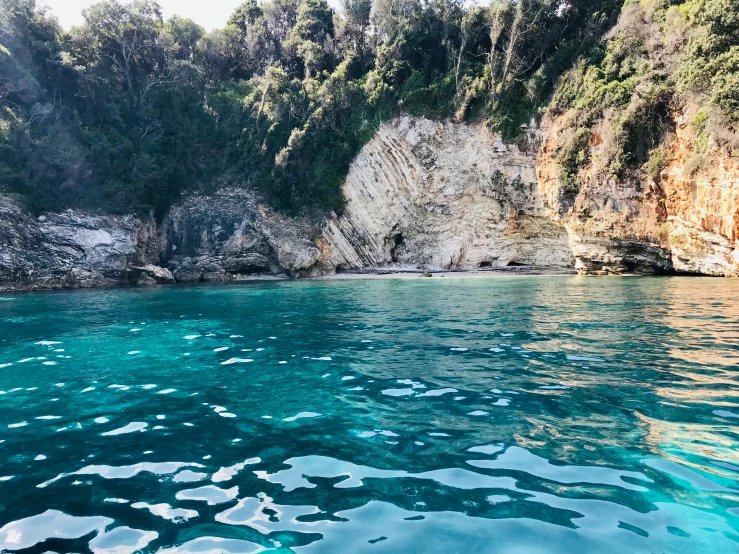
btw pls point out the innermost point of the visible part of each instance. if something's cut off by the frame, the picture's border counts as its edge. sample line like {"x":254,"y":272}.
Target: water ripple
{"x":417,"y":416}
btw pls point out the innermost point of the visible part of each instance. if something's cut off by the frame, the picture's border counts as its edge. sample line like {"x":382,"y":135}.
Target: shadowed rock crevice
{"x":397,"y":242}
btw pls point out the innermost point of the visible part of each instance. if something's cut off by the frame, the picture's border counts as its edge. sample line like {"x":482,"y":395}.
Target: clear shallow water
{"x":526,"y":414}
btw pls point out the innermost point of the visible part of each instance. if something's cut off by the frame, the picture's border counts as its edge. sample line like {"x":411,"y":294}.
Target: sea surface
{"x":444,"y":415}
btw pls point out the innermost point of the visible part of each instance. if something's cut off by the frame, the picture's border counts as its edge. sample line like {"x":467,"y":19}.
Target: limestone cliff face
{"x":702,"y":210}
{"x":420,"y":194}
{"x":443,"y":195}
{"x":680,"y":222}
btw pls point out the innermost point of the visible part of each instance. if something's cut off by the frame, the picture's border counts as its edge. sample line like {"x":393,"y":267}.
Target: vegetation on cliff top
{"x":663,"y":60}
{"x":128,"y":111}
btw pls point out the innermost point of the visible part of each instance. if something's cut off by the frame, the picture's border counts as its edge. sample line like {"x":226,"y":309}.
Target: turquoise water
{"x":524,"y":414}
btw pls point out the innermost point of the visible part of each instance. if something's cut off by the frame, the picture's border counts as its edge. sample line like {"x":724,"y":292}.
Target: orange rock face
{"x":685,"y":220}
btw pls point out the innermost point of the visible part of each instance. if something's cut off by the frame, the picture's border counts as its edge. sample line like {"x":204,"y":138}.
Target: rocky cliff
{"x":701,"y":208}
{"x":226,"y":236}
{"x":230,"y":234}
{"x":682,"y":220}
{"x":421,"y":194}
{"x":640,"y":152}
{"x":69,"y":249}
{"x":444,"y":195}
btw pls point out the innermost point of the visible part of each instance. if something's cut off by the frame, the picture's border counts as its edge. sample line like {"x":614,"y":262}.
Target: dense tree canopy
{"x":127,"y":111}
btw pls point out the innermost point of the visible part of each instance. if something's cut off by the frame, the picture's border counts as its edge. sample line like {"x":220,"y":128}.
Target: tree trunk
{"x":458,"y":67}
{"x":513,"y":40}
{"x":130,"y":84}
{"x":496,"y":31}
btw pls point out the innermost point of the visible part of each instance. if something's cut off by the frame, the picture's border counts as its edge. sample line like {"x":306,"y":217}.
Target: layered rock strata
{"x":421,"y":194}
{"x":443,"y":195}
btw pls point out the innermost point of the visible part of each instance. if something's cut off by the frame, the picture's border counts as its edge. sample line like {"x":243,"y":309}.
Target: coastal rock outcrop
{"x":151,"y":274}
{"x":701,"y":208}
{"x":421,"y":194}
{"x":444,"y":195}
{"x":230,"y":234}
{"x":682,"y":221}
{"x":69,"y":249}
{"x":225,"y":236}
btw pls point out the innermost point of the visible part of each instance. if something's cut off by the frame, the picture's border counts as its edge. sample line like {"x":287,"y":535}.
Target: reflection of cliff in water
{"x":562,"y":361}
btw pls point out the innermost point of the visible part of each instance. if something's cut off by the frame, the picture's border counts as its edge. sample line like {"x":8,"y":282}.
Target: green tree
{"x":123,"y":37}
{"x":180,"y":37}
{"x":128,"y":111}
{"x":357,"y":13}
{"x":246,"y":15}
{"x":314,"y":24}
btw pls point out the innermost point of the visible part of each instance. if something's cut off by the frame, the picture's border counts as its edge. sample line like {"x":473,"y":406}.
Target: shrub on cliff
{"x":662,"y":57}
